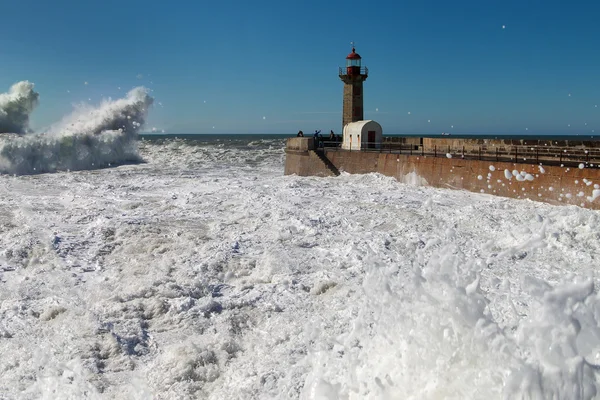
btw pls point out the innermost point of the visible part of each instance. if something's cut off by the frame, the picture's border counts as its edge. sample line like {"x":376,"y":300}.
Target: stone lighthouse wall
{"x":352,"y":101}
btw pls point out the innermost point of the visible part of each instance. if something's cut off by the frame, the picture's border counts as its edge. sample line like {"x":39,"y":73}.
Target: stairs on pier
{"x":323,"y":157}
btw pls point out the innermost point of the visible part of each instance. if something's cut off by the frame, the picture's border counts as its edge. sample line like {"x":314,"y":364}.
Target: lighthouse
{"x":353,"y":75}
{"x":358,"y":134}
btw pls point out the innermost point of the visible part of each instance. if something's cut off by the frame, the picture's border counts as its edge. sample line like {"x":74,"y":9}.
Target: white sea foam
{"x":16,"y":106}
{"x":595,"y":195}
{"x":89,"y":138}
{"x":206,"y":273}
{"x":412,"y":178}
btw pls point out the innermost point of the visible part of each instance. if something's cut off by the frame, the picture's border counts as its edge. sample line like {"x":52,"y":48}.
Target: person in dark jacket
{"x":300,"y":134}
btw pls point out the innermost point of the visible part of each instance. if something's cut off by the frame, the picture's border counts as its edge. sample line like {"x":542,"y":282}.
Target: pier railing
{"x":548,"y":155}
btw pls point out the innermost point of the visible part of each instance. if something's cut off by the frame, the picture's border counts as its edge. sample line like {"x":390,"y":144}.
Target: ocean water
{"x":191,"y":267}
{"x":203,"y":272}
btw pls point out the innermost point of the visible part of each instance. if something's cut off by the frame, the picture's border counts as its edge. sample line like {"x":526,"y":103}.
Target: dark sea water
{"x":225,"y":137}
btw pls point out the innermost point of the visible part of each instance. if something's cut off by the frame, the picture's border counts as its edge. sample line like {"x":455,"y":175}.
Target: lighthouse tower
{"x":353,"y":75}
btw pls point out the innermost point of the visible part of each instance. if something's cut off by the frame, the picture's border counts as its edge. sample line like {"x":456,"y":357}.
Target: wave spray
{"x":16,"y":106}
{"x":89,"y":138}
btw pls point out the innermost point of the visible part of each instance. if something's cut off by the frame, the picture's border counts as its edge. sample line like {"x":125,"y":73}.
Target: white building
{"x":362,"y":135}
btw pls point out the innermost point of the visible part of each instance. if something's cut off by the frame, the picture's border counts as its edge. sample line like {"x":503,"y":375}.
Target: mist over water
{"x":89,"y":138}
{"x":16,"y":106}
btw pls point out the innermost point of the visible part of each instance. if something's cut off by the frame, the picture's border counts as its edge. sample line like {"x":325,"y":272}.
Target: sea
{"x":190,"y":267}
{"x":221,"y":137}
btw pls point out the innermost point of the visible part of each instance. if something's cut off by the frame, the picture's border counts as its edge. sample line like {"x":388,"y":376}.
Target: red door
{"x":371,"y":139}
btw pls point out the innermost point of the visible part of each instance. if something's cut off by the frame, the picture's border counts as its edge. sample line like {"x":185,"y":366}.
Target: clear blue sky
{"x":228,"y":64}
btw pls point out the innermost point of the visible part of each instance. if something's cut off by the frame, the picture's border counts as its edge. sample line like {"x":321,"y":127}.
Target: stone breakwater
{"x":575,"y":185}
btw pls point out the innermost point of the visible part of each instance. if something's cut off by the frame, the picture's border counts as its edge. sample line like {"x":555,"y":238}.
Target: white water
{"x":206,"y":273}
{"x":15,"y":107}
{"x":89,"y":138}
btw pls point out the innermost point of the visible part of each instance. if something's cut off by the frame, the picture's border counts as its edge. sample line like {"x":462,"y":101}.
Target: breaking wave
{"x":89,"y":138}
{"x":127,"y":114}
{"x":15,"y":107}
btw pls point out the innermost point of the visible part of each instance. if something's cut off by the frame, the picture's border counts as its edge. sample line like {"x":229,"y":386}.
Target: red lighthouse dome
{"x":353,"y":56}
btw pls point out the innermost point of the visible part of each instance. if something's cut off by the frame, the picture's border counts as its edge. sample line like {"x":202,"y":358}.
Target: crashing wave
{"x":16,"y":106}
{"x":127,"y":114}
{"x":89,"y":138}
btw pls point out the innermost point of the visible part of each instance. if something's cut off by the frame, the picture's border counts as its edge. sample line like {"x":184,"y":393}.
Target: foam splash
{"x":412,"y":178}
{"x":127,"y":114}
{"x":16,"y":106}
{"x":437,"y":326}
{"x":560,"y":343}
{"x":427,"y":325}
{"x":89,"y":138}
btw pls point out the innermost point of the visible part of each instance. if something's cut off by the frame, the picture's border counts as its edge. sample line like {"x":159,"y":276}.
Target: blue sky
{"x":271,"y":66}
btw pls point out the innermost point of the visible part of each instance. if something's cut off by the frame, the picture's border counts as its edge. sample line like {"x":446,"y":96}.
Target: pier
{"x":549,"y":173}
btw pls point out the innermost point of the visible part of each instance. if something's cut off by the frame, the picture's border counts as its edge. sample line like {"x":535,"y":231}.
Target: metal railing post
{"x":435,"y":150}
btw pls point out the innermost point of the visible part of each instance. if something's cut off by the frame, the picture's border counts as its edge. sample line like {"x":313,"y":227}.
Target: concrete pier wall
{"x":300,"y":158}
{"x":305,"y":164}
{"x":552,"y":184}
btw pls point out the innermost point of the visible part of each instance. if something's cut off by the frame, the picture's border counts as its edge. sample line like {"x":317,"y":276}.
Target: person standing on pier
{"x":316,"y":136}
